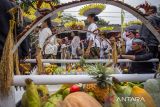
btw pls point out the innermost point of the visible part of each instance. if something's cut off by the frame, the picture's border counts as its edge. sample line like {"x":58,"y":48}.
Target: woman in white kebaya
{"x":93,"y":49}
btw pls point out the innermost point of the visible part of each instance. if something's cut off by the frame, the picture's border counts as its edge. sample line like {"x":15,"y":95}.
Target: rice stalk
{"x":16,"y":63}
{"x":6,"y":63}
{"x":39,"y":61}
{"x":114,"y":53}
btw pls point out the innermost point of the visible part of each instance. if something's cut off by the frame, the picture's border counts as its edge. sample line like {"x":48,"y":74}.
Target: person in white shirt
{"x":93,"y":48}
{"x":130,"y":36}
{"x":75,"y":44}
{"x":51,"y":47}
{"x":44,"y":34}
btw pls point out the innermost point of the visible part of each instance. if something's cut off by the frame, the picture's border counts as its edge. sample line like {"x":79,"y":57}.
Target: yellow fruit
{"x":79,"y":69}
{"x":100,"y":94}
{"x":69,"y":67}
{"x":141,"y":93}
{"x":43,"y":90}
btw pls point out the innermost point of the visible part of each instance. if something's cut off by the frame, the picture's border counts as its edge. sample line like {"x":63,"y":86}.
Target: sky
{"x":111,"y":13}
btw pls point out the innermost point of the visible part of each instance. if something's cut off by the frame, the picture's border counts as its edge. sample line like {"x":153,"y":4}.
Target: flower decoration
{"x":75,"y":25}
{"x":95,"y":8}
{"x":31,"y":13}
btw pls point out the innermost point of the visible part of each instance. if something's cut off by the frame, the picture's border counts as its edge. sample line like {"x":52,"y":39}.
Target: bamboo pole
{"x":86,"y":61}
{"x":73,"y":79}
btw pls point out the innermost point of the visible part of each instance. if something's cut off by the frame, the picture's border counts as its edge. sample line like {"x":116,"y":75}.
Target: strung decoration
{"x":92,"y":9}
{"x":6,"y":63}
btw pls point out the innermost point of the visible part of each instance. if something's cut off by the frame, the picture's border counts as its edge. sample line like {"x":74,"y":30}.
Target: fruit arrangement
{"x":25,"y":68}
{"x":106,"y":92}
{"x":81,"y":67}
{"x":51,"y":69}
{"x":117,"y":94}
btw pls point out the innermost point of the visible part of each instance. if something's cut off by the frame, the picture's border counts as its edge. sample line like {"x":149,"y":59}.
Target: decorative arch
{"x":119,"y":4}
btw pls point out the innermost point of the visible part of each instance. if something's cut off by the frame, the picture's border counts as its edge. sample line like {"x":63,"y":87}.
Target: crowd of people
{"x":133,"y":44}
{"x":140,"y":44}
{"x":93,"y":46}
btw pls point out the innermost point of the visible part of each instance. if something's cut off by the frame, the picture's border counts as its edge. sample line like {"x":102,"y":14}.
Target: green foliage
{"x":59,"y":70}
{"x":102,"y":22}
{"x":68,"y":18}
{"x":82,"y":61}
{"x":101,"y":74}
{"x":159,"y":10}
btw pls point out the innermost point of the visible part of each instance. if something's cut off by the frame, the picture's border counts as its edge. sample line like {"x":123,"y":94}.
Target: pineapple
{"x":100,"y":93}
{"x":103,"y":86}
{"x":80,"y":65}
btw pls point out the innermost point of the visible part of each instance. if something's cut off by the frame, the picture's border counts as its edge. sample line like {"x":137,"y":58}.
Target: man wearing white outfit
{"x":128,"y":37}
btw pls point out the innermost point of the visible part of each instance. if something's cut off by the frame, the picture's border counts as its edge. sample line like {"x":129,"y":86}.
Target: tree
{"x":101,"y":22}
{"x":67,"y":18}
{"x":159,"y":10}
